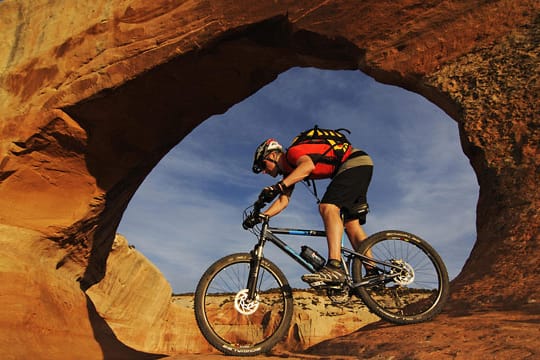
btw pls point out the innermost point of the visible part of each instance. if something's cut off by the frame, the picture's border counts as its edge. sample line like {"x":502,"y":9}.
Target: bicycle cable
{"x":314,"y":191}
{"x":255,"y":230}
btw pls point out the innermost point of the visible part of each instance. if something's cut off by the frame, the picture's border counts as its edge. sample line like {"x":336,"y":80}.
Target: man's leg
{"x":333,"y":226}
{"x":332,"y":272}
{"x":355,"y":233}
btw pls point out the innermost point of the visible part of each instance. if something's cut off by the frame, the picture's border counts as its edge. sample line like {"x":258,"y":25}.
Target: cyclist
{"x":345,"y":195}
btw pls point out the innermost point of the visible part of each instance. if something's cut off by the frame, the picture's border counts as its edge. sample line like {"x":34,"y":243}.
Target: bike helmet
{"x":262,"y":152}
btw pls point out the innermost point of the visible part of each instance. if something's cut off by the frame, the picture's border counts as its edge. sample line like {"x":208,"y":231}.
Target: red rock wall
{"x":78,"y":87}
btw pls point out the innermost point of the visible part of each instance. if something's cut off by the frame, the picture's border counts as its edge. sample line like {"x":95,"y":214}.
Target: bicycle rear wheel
{"x":416,"y":293}
{"x":228,"y":320}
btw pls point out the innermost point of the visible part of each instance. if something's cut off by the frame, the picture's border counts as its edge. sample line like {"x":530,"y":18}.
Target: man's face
{"x":270,"y":166}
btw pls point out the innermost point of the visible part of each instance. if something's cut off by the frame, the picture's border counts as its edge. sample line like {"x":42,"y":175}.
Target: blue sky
{"x":188,"y":212}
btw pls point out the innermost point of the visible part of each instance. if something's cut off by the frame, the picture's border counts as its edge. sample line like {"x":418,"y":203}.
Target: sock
{"x":334,"y":263}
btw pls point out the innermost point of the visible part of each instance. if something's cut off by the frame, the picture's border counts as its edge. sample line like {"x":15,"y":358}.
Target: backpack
{"x":327,"y":148}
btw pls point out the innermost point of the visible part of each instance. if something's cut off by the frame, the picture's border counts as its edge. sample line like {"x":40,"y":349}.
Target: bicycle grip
{"x":252,"y":220}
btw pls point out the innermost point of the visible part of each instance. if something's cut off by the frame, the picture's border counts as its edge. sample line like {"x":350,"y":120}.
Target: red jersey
{"x":326,"y":162}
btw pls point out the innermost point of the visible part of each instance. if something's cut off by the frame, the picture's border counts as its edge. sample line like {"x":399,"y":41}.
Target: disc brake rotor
{"x":406,"y":275}
{"x":243,"y":305}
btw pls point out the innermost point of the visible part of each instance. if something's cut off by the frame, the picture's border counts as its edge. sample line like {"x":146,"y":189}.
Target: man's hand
{"x":269,"y":193}
{"x":253,"y":220}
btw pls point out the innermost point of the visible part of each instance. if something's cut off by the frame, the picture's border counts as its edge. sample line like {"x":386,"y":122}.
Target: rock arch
{"x":94,"y":102}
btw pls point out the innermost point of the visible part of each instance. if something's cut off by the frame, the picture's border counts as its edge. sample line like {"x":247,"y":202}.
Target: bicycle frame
{"x":268,"y":234}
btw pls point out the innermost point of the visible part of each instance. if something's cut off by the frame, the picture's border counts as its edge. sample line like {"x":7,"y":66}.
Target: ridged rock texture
{"x":93,"y":94}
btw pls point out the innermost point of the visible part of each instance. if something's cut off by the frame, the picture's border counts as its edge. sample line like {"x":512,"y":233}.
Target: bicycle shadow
{"x":378,"y":325}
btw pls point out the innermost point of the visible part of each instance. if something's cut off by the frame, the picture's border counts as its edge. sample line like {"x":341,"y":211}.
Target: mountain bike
{"x":244,"y":303}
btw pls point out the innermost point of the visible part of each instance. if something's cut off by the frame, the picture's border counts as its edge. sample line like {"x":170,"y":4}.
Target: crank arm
{"x":384,"y":278}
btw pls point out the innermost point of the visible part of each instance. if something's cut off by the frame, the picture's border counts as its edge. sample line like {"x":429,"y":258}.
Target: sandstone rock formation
{"x":83,"y":124}
{"x":152,"y":321}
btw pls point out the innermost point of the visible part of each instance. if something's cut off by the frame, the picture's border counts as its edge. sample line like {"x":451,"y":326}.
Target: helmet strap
{"x":280,"y":170}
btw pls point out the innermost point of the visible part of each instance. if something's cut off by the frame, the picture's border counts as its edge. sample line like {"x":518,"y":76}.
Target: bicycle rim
{"x":415,"y":294}
{"x":232,"y":323}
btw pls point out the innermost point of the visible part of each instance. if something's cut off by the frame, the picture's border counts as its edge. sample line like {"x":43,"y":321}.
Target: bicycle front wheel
{"x":234,"y":324}
{"x":414,"y":293}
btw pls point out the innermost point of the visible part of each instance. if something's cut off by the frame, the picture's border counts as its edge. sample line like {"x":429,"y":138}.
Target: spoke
{"x":416,"y":296}
{"x":244,"y":329}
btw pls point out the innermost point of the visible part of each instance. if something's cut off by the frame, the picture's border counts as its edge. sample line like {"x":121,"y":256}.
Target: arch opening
{"x":199,"y":189}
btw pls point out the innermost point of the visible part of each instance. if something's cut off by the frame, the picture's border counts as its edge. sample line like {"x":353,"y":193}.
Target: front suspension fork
{"x":254,"y":266}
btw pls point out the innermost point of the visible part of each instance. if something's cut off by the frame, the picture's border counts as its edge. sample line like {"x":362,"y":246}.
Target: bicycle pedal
{"x":317,"y":284}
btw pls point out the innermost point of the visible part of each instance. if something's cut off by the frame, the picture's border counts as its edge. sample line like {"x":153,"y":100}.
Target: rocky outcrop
{"x":497,"y":89}
{"x":43,"y":314}
{"x":136,"y":302}
{"x":78,"y":83}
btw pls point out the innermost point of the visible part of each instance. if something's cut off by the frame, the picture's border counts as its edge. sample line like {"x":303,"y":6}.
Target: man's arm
{"x":304,"y":167}
{"x":279,"y":205}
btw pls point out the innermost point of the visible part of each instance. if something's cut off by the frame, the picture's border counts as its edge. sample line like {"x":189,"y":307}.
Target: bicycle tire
{"x":417,"y":296}
{"x":243,"y":330}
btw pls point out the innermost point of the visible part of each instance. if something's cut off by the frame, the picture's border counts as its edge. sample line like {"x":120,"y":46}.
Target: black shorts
{"x":348,"y":190}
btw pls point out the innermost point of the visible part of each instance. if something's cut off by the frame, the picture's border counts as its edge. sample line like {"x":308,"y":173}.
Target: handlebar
{"x":253,"y":218}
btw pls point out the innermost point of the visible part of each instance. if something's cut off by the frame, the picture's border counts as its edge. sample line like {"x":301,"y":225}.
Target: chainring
{"x":339,"y":296}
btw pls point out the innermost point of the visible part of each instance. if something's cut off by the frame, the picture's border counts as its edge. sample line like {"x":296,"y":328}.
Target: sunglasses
{"x":261,"y":166}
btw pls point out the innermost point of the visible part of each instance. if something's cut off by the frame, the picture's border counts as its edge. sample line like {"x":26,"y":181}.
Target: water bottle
{"x":312,"y":257}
